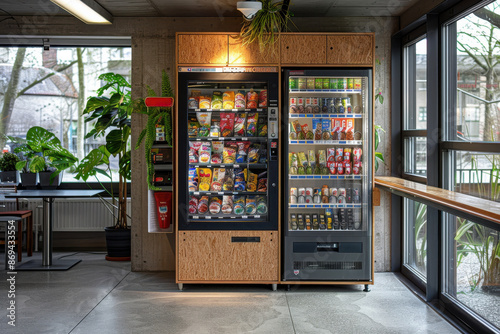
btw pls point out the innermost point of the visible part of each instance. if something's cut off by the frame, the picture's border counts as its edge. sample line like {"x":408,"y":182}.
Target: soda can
{"x":309,"y":191}
{"x":293,"y":192}
{"x":333,"y":83}
{"x":357,"y":83}
{"x":326,"y":83}
{"x":302,"y":83}
{"x":350,"y":83}
{"x":301,"y":199}
{"x":309,"y":199}
{"x":317,"y":191}
{"x":318,"y":83}
{"x":293,"y":83}
{"x":302,"y":191}
{"x":342,"y":192}
{"x":293,"y":199}
{"x":310,"y":83}
{"x":334,"y":192}
{"x":342,"y":83}
{"x":324,"y":190}
{"x":317,"y":199}
{"x":332,"y":199}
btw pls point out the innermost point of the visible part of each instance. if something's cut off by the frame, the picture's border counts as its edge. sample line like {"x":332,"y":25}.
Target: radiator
{"x":75,"y":214}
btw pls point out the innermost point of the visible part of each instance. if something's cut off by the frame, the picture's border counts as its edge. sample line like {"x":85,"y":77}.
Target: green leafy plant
{"x":110,"y":116}
{"x":8,"y":162}
{"x":420,"y":234}
{"x":156,"y":115}
{"x":266,"y":25}
{"x":42,"y":151}
{"x":379,"y":157}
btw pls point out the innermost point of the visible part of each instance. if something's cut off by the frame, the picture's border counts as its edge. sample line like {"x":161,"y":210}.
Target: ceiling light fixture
{"x":249,"y":8}
{"x":88,"y":11}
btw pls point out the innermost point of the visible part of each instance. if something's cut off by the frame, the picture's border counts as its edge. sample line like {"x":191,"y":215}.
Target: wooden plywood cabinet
{"x":307,"y":49}
{"x":251,"y":54}
{"x":228,"y":256}
{"x":350,"y":49}
{"x":202,"y":49}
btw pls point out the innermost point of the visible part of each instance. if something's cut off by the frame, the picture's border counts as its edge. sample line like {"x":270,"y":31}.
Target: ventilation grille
{"x":323,"y":265}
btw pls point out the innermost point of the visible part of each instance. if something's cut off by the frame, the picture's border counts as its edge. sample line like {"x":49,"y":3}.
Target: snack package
{"x":229,"y":155}
{"x":356,"y":155}
{"x":252,"y":99}
{"x":193,"y":151}
{"x":263,"y":155}
{"x":317,"y":128}
{"x":205,"y":102}
{"x":303,"y":160}
{"x":311,"y":155}
{"x":205,"y":178}
{"x":253,"y":153}
{"x":204,"y":119}
{"x":203,"y":204}
{"x":228,"y":100}
{"x":315,"y":105}
{"x":343,"y":130}
{"x":347,"y":167}
{"x":193,"y":126}
{"x":321,"y":158}
{"x":336,"y":128}
{"x":262,"y":182}
{"x":261,"y":204}
{"x":263,"y":98}
{"x":293,"y":162}
{"x":240,"y":177}
{"x":227,"y":124}
{"x":217,"y":179}
{"x":349,"y":133}
{"x":292,"y":134}
{"x":241,"y":154}
{"x":250,"y":205}
{"x":356,"y":168}
{"x":193,"y":179}
{"x":216,"y":100}
{"x":262,"y":128}
{"x":339,"y":154}
{"x":227,"y":204}
{"x":252,"y":182}
{"x":217,"y":150}
{"x":193,"y":205}
{"x":347,"y":154}
{"x":204,"y":153}
{"x":193,"y":103}
{"x":215,"y":205}
{"x":239,"y":124}
{"x":325,"y":124}
{"x":239,"y":205}
{"x":228,"y":183}
{"x":240,"y":99}
{"x":252,"y":119}
{"x":215,"y":130}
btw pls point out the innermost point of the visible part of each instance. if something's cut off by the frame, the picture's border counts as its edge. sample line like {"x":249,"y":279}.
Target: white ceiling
{"x":215,"y":8}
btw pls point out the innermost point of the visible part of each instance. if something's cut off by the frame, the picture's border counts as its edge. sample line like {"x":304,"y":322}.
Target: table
{"x":48,"y":196}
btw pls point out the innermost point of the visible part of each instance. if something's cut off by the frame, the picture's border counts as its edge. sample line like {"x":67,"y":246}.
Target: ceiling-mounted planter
{"x":266,"y":25}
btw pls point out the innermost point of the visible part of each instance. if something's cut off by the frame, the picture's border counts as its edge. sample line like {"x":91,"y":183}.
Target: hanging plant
{"x":156,"y":116}
{"x":266,"y":25}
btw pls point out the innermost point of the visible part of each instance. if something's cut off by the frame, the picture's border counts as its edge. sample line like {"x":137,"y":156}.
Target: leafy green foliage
{"x":8,"y":162}
{"x":379,"y":157}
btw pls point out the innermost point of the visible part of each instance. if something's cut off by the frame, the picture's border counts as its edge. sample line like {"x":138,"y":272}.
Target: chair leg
{"x":29,"y":237}
{"x":20,"y":240}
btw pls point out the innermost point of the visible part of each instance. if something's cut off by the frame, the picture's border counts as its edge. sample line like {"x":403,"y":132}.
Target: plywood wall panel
{"x":251,"y":53}
{"x":307,"y":49}
{"x":350,"y":49}
{"x":202,"y":49}
{"x":211,"y":256}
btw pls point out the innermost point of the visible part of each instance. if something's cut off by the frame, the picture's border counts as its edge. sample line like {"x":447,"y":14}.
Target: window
{"x":52,"y":90}
{"x":415,"y":243}
{"x":415,"y":110}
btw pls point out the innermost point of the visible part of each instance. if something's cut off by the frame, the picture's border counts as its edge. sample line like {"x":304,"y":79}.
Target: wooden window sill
{"x":441,"y":198}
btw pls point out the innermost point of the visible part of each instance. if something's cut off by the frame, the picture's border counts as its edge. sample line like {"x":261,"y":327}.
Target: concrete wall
{"x":153,"y":50}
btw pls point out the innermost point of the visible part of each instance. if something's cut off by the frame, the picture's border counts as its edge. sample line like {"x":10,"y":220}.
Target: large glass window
{"x":415,"y":231}
{"x":49,"y":88}
{"x":415,"y":109}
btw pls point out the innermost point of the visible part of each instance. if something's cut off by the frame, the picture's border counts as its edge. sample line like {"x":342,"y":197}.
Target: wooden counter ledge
{"x":442,"y":199}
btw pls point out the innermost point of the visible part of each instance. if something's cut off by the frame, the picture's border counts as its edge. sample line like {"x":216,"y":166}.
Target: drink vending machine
{"x":327,"y":169}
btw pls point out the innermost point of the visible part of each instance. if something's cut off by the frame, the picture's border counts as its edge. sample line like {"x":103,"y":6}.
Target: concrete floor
{"x":97,"y":296}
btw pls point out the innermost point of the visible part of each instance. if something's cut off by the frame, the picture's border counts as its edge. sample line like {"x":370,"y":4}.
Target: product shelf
{"x":325,"y":142}
{"x":251,"y":139}
{"x":239,"y":165}
{"x":325,"y":206}
{"x":330,"y":177}
{"x":345,"y":91}
{"x":325,"y":115}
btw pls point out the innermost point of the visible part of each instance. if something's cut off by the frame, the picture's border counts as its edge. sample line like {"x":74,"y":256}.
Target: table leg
{"x":47,"y":231}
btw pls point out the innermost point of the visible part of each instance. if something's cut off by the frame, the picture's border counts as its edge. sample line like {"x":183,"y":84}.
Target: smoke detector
{"x":249,"y":8}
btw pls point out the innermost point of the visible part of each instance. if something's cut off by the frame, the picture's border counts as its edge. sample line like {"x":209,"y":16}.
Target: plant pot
{"x":45,"y":180}
{"x":29,"y":180}
{"x":118,"y":243}
{"x":10,"y":176}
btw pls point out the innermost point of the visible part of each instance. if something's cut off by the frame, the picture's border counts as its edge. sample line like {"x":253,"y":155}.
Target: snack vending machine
{"x":327,"y":165}
{"x":228,"y":173}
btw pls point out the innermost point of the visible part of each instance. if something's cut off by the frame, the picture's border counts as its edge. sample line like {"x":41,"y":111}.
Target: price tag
{"x":196,"y":217}
{"x":256,"y":216}
{"x":244,"y":138}
{"x":208,"y":217}
{"x":220,"y":193}
{"x":196,"y":193}
{"x":221,"y":138}
{"x":244,"y":217}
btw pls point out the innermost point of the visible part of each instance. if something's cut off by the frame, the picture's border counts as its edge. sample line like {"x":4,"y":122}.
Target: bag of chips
{"x":252,"y":119}
{"x":252,"y":99}
{"x":227,"y":124}
{"x":240,"y":100}
{"x":253,"y":153}
{"x":263,"y":98}
{"x":216,"y":100}
{"x":239,"y":124}
{"x":205,"y":102}
{"x":228,"y":100}
{"x":252,"y":182}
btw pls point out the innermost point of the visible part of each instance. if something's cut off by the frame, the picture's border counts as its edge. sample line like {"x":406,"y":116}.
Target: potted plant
{"x":110,"y":117}
{"x":44,"y":155}
{"x":156,"y":115}
{"x":9,"y":173}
